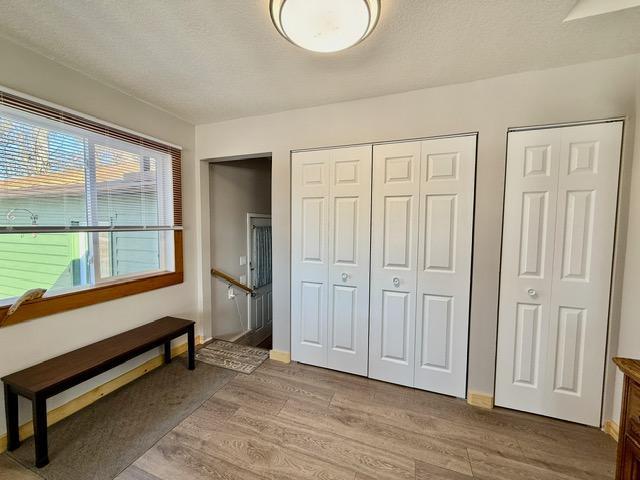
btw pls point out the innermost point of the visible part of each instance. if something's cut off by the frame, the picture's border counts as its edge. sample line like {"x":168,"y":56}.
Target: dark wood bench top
{"x":59,"y":373}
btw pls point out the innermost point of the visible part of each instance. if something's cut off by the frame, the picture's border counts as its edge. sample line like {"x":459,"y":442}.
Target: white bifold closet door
{"x":421,"y":249}
{"x":559,"y":220}
{"x":330,"y":241}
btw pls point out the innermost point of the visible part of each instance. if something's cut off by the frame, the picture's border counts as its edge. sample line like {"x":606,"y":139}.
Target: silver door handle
{"x":396,"y":282}
{"x":532,"y":292}
{"x":345,"y":276}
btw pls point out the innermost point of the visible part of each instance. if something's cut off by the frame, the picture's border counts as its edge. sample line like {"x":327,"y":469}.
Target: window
{"x":82,"y":205}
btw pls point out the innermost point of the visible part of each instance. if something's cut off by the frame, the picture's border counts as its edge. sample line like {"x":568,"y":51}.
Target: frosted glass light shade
{"x":325,"y":25}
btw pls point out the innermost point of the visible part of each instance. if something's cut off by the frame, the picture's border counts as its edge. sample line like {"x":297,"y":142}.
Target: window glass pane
{"x":131,"y":253}
{"x":42,"y":174}
{"x":118,"y":182}
{"x":131,"y":188}
{"x":63,"y":262}
{"x":58,"y":175}
{"x":57,"y":262}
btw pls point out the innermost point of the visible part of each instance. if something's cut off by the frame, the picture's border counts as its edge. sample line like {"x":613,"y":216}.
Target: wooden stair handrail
{"x":231,"y":280}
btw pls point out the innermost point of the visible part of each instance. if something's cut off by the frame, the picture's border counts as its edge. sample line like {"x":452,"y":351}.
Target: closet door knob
{"x":532,"y":292}
{"x":345,"y":276}
{"x":396,"y":282}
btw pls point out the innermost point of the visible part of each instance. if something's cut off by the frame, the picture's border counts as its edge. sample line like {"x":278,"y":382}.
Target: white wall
{"x":580,"y":92}
{"x":28,"y":343}
{"x":629,"y":328}
{"x":235,"y":189}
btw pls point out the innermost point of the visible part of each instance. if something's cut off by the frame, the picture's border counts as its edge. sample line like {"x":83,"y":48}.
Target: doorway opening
{"x":241,"y":251}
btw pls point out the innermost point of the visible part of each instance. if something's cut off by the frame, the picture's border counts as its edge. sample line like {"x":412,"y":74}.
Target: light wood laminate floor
{"x":12,"y":470}
{"x":300,"y":422}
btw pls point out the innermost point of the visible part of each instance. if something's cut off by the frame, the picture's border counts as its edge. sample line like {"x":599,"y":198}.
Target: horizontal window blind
{"x":62,"y":172}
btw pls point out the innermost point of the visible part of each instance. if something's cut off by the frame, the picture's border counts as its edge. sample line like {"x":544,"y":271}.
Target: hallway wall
{"x":235,"y":189}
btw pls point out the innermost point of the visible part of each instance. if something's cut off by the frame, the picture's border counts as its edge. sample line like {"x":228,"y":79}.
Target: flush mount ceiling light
{"x":325,"y":25}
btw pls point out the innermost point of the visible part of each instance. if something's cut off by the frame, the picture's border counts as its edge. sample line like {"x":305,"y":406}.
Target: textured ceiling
{"x":211,"y":60}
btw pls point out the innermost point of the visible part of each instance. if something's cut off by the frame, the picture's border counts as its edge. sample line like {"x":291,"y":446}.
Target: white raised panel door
{"x":309,"y":255}
{"x":584,"y":236}
{"x":444,"y":264}
{"x":533,"y":159}
{"x":556,"y":269}
{"x":394,"y":250}
{"x":350,"y":214}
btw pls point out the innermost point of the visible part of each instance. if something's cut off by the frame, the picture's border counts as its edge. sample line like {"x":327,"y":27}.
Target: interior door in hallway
{"x":559,"y":222}
{"x":260,"y":270}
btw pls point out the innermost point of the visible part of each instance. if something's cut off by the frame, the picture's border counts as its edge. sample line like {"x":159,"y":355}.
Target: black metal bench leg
{"x":191,"y":340}
{"x":11,"y":413}
{"x":40,"y":431}
{"x":167,"y":352}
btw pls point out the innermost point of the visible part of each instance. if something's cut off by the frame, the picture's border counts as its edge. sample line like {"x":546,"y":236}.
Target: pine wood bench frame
{"x":53,"y":376}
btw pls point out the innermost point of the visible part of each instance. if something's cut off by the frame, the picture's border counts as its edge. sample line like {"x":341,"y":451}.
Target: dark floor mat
{"x":101,"y":440}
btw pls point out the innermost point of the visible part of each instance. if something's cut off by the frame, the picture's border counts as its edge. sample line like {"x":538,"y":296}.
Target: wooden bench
{"x":53,"y":376}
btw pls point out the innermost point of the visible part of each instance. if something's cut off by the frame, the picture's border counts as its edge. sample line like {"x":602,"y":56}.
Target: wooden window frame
{"x":117,"y":289}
